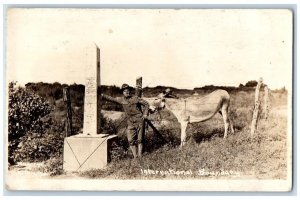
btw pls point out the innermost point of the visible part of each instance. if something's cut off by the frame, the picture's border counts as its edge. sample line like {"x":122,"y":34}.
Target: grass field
{"x":207,"y":154}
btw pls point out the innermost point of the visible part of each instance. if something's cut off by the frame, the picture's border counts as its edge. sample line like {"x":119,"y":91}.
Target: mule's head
{"x":159,"y":102}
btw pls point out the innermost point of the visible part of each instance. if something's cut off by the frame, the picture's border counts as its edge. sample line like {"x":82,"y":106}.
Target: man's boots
{"x":140,"y":150}
{"x":133,"y":149}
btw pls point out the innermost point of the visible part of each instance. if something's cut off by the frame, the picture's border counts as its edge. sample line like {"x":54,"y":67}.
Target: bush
{"x":25,"y":114}
{"x":251,"y":83}
{"x":53,"y":166}
{"x":43,"y":145}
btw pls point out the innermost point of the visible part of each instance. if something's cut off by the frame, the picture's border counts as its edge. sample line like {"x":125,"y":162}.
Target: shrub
{"x":251,"y":83}
{"x":25,"y":113}
{"x":42,"y":145}
{"x":53,"y":166}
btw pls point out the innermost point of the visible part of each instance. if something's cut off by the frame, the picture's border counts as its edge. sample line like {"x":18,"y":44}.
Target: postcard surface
{"x":149,"y":99}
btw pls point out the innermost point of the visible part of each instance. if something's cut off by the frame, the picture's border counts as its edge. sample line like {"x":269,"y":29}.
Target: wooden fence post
{"x":139,"y":88}
{"x":66,"y":98}
{"x":256,"y":107}
{"x":266,"y":102}
{"x":139,"y":92}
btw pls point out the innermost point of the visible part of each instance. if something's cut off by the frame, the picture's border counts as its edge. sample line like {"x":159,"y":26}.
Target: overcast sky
{"x":181,"y":48}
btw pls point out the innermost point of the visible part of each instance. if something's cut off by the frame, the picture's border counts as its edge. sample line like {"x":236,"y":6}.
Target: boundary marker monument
{"x":89,"y":150}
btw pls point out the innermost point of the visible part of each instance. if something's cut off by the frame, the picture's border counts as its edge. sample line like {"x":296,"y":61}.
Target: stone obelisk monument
{"x":92,"y":102}
{"x":89,"y":150}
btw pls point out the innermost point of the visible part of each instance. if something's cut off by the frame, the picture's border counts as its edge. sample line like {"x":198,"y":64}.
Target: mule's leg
{"x":183,"y":132}
{"x":225,"y":118}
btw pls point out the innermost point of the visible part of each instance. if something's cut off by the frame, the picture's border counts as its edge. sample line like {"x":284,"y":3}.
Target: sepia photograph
{"x":149,"y":99}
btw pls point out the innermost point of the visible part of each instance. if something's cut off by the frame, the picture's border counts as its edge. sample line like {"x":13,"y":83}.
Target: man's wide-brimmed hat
{"x":168,"y":90}
{"x":125,"y":86}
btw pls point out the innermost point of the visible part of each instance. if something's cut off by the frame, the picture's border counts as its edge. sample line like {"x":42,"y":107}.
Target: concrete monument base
{"x":85,"y":152}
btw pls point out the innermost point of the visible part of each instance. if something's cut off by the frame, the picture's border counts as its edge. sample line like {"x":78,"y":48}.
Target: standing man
{"x":136,"y":110}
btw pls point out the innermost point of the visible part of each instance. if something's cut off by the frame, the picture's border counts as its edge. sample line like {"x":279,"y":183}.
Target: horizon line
{"x":180,"y":88}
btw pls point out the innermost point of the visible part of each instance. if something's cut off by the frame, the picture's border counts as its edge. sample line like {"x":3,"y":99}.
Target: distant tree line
{"x":53,"y":91}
